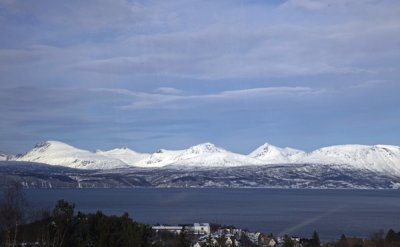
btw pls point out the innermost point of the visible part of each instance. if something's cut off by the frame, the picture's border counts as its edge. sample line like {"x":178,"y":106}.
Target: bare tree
{"x":12,"y":209}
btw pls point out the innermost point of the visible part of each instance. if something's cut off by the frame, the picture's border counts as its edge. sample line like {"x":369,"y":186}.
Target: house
{"x":253,"y":237}
{"x":197,"y":245}
{"x":200,"y":228}
{"x":228,"y":242}
{"x":263,"y":239}
{"x":272,"y":242}
{"x":267,"y":241}
{"x":214,"y":242}
{"x":174,"y":229}
{"x":295,"y":239}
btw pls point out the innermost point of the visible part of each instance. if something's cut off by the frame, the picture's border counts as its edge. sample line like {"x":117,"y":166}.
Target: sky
{"x":172,"y":74}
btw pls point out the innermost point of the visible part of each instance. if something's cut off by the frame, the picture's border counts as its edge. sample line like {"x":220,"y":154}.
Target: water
{"x":293,"y":211}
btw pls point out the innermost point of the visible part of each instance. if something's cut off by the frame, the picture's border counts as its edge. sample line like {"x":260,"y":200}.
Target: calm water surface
{"x":292,"y":211}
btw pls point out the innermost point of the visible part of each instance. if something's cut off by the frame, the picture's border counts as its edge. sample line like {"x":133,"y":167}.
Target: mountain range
{"x":206,"y":165}
{"x":377,"y":158}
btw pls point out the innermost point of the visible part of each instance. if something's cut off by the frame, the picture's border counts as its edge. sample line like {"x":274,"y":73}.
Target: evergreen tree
{"x":183,"y":240}
{"x":315,"y":242}
{"x":391,"y":236}
{"x":63,"y":214}
{"x":343,"y":241}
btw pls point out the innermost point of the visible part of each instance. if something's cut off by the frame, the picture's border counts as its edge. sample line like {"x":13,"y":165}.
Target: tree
{"x":343,"y":241}
{"x":12,"y":207}
{"x":377,"y":238}
{"x":287,"y":241}
{"x":63,"y":214}
{"x":391,"y":236}
{"x":315,"y":242}
{"x":183,"y":240}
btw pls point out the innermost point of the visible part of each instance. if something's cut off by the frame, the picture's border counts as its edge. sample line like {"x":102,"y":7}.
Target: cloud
{"x":370,"y":84}
{"x":186,"y":40}
{"x":306,"y":4}
{"x":290,"y":63}
{"x":77,"y":14}
{"x":250,"y":49}
{"x":168,"y":90}
{"x":142,"y":100}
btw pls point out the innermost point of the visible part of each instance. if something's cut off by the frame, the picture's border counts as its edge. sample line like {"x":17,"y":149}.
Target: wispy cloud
{"x":306,"y":4}
{"x":168,"y":90}
{"x":370,"y":84}
{"x":278,"y":71}
{"x":155,"y":38}
{"x":166,"y":99}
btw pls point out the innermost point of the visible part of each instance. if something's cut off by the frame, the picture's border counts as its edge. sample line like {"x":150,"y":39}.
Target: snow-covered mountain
{"x":275,"y":155}
{"x":3,"y":156}
{"x":378,"y":158}
{"x":58,"y":153}
{"x":384,"y":159}
{"x":202,"y":155}
{"x":205,"y":165}
{"x":126,"y":155}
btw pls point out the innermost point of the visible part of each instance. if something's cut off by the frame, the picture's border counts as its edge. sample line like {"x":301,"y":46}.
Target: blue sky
{"x":171,"y":74}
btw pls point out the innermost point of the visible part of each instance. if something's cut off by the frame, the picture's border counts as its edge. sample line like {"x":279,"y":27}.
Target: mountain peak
{"x":275,"y":155}
{"x":265,"y":149}
{"x":125,"y":151}
{"x":3,"y":156}
{"x":205,"y":148}
{"x":59,"y":153}
{"x":122,"y":149}
{"x":51,"y":143}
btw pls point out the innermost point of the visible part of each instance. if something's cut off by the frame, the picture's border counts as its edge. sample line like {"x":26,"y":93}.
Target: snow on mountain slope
{"x":3,"y":156}
{"x":204,"y":155}
{"x":58,"y":153}
{"x":126,"y":155}
{"x":275,"y":155}
{"x":209,"y":155}
{"x":160,"y":158}
{"x":379,"y":158}
{"x":384,"y":159}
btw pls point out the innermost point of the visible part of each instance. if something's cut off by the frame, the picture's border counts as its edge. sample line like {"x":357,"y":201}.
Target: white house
{"x":175,"y":229}
{"x":272,"y":243}
{"x":197,"y":245}
{"x":214,"y":242}
{"x":228,"y":242}
{"x":295,"y":239}
{"x":200,"y":228}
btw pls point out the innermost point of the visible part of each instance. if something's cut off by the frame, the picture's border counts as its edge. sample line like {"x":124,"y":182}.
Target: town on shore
{"x":216,"y":235}
{"x":206,"y":234}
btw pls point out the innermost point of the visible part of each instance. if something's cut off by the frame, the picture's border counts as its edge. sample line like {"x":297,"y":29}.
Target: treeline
{"x":378,"y":239}
{"x":64,"y":227}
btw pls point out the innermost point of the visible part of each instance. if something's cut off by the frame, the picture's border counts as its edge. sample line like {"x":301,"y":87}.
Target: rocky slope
{"x":36,"y":175}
